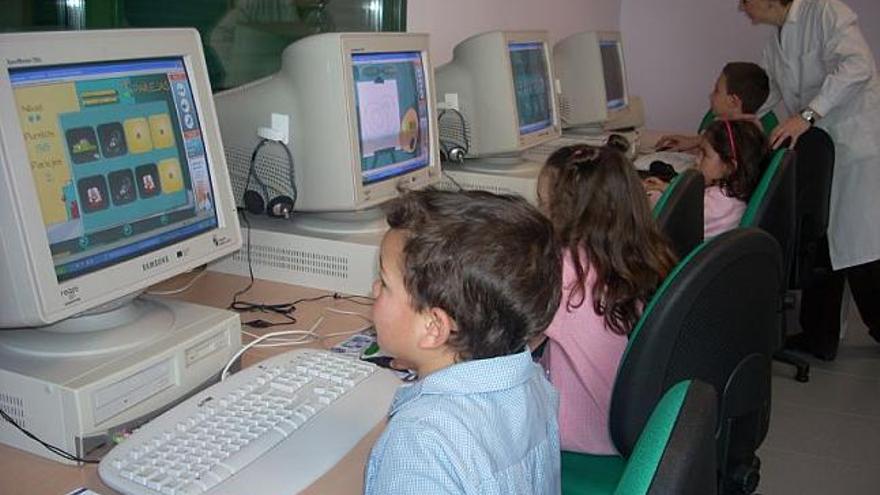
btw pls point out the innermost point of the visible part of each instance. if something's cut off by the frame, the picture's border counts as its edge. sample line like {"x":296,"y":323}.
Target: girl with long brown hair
{"x":614,"y":259}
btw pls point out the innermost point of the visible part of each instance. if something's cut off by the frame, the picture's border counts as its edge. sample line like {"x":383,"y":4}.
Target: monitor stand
{"x":79,"y":382}
{"x":342,"y":223}
{"x":630,"y":118}
{"x":333,"y":251}
{"x":501,"y":175}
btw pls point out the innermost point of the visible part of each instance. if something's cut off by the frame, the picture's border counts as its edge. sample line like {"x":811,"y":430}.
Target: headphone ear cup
{"x":456,"y":154}
{"x":254,"y":202}
{"x":280,"y":206}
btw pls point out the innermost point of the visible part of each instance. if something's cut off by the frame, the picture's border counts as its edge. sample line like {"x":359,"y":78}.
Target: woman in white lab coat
{"x":823,"y":71}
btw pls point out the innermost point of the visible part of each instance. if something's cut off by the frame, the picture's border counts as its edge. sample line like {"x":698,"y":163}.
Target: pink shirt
{"x":720,"y":212}
{"x":581,"y":360}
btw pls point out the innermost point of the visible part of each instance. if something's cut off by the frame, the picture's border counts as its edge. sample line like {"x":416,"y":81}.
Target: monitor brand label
{"x":70,"y":294}
{"x":156,"y":262}
{"x":23,"y":61}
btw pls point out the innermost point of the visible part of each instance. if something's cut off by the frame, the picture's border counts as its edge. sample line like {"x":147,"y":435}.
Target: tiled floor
{"x":825,"y":435}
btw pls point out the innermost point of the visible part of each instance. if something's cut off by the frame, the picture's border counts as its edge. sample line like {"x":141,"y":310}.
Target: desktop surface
{"x":23,"y":473}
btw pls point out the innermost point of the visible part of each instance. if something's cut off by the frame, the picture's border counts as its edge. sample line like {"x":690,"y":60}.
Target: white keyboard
{"x":539,"y":153}
{"x":272,"y":428}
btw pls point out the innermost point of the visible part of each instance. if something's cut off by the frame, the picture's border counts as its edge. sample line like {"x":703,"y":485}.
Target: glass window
{"x":243,"y":39}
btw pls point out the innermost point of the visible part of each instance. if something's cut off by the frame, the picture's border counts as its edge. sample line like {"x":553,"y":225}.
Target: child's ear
{"x":737,"y":102}
{"x":438,"y":328}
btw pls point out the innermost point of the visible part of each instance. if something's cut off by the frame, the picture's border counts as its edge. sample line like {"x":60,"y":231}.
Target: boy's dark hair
{"x":489,"y":261}
{"x":751,"y":152}
{"x":749,"y":82}
{"x":600,"y":212}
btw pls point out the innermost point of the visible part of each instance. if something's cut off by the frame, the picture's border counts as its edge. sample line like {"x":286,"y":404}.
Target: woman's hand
{"x":677,"y":142}
{"x":790,"y":131}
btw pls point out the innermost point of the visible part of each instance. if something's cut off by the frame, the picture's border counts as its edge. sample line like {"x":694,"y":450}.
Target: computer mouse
{"x":662,"y":170}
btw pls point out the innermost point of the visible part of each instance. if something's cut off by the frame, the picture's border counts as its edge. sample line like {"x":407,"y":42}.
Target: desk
{"x":24,"y":473}
{"x":648,"y":139}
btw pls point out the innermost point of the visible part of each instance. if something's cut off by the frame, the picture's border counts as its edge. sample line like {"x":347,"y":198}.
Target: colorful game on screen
{"x":117,"y":158}
{"x":392,"y":110}
{"x":532,"y":86}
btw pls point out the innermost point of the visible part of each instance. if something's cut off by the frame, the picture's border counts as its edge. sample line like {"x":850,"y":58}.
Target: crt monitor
{"x":360,"y":108}
{"x":113,"y":177}
{"x":502,"y":83}
{"x":581,"y":80}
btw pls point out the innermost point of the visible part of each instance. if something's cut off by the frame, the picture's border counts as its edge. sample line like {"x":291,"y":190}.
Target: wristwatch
{"x":809,"y":115}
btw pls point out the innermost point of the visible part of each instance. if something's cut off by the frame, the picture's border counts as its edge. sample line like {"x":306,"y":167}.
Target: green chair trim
{"x":769,"y":122}
{"x":649,"y":449}
{"x":588,"y":474}
{"x":664,"y":198}
{"x":748,"y":218}
{"x":707,"y":119}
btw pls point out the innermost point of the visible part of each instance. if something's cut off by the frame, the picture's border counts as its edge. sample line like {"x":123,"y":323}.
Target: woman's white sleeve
{"x":845,"y":55}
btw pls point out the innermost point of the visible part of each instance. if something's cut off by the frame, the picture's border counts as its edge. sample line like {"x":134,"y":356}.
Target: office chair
{"x":815,"y":168}
{"x":772,"y":207}
{"x":715,"y":318}
{"x":768,"y":121}
{"x":679,"y":212}
{"x":675,"y":452}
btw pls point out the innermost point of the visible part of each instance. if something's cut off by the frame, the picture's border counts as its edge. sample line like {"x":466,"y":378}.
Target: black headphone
{"x":280,"y":206}
{"x":450,"y":150}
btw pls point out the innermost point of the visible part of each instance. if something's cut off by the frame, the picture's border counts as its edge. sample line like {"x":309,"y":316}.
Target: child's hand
{"x":653,"y":184}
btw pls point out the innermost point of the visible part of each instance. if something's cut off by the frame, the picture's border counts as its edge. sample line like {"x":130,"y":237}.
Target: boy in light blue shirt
{"x":466,"y":280}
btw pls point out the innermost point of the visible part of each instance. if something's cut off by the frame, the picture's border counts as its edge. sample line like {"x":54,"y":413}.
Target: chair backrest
{"x":772,"y":205}
{"x":676,"y":451}
{"x":715,"y":318}
{"x":815,"y":166}
{"x":679,"y":212}
{"x":769,"y":121}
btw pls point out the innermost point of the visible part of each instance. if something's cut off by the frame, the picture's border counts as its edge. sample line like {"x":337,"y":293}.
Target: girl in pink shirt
{"x":731,"y":160}
{"x":614,"y":259}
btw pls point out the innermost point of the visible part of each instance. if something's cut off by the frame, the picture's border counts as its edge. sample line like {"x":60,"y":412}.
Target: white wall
{"x":675,"y":49}
{"x":450,"y":21}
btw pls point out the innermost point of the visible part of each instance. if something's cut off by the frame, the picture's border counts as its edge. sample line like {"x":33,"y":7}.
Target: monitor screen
{"x":392,"y":114}
{"x":531,"y":81}
{"x":612,"y":66}
{"x":117,"y":156}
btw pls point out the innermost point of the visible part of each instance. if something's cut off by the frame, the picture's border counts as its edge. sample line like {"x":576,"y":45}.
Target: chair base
{"x":801,"y":365}
{"x":743,"y":480}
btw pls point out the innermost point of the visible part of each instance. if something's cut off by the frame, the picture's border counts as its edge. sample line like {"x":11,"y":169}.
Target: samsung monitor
{"x":362,"y":122}
{"x":112,"y":178}
{"x":502,"y":84}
